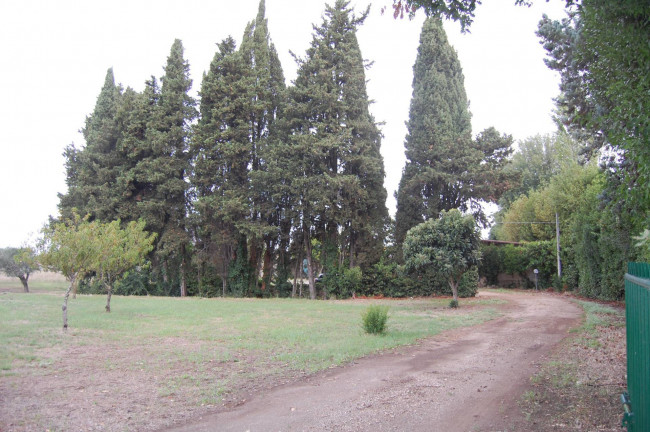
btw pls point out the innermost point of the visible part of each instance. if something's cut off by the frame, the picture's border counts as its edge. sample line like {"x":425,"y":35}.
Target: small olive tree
{"x":78,"y":247}
{"x":448,"y":246}
{"x":67,"y":247}
{"x":18,"y":262}
{"x":120,"y":250}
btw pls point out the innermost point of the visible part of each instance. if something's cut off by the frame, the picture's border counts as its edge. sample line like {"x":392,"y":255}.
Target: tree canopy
{"x":78,"y":247}
{"x":601,"y":52}
{"x":449,"y":245}
{"x":18,"y":262}
{"x":445,"y":167}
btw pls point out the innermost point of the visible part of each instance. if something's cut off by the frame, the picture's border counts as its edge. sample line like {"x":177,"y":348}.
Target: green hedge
{"x":391,"y":280}
{"x":518,"y":260}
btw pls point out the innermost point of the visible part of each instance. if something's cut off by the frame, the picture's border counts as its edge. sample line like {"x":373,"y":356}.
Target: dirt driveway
{"x":464,"y":380}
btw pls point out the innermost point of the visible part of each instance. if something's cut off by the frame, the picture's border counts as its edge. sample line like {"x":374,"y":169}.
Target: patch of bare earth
{"x":138,"y":387}
{"x":579,"y":388}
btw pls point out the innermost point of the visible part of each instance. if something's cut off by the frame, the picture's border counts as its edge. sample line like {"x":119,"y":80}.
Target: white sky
{"x":56,"y":54}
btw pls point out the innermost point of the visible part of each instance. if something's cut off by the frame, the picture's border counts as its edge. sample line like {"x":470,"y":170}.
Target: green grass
{"x":301,"y":334}
{"x":35,"y":286}
{"x":597,"y":315}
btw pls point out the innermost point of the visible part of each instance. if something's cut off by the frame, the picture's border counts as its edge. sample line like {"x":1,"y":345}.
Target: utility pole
{"x":557,"y":239}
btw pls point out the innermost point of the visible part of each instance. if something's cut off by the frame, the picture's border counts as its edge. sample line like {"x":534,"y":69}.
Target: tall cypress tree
{"x":134,"y":118}
{"x":91,"y":172}
{"x":333,"y":154}
{"x":221,"y":156}
{"x":162,"y":170}
{"x":266,"y":86}
{"x":240,"y":102}
{"x":445,"y":168}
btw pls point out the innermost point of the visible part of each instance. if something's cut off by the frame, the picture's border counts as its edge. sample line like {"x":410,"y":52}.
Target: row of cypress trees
{"x":253,"y":181}
{"x":265,"y":183}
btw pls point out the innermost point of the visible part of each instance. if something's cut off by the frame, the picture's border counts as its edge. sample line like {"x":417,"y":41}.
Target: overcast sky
{"x":56,"y":54}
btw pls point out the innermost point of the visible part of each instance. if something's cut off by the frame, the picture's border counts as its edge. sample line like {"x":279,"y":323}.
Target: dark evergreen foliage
{"x":445,"y":168}
{"x":238,"y":203}
{"x":333,"y":152}
{"x":91,"y":172}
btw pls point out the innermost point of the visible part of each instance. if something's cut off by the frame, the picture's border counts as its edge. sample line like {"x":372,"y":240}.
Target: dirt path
{"x":464,"y":380}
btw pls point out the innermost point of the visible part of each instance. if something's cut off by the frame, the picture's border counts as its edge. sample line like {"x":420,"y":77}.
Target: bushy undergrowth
{"x":374,"y":319}
{"x":511,"y":259}
{"x":391,"y":280}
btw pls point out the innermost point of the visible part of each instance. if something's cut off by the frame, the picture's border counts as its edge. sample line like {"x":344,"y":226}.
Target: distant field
{"x":151,"y":351}
{"x":38,"y":282}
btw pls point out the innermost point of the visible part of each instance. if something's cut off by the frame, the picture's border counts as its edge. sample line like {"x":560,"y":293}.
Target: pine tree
{"x":445,"y":167}
{"x":333,"y":154}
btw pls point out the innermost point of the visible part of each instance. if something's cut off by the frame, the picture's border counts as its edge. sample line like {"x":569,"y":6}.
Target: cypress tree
{"x":241,"y":97}
{"x":91,"y":172}
{"x":445,"y":168}
{"x":221,"y":155}
{"x":162,"y":169}
{"x":265,"y":82}
{"x":333,"y":154}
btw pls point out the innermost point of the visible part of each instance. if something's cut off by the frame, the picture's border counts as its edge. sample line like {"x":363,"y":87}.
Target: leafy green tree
{"x":445,"y":167}
{"x":333,"y":153}
{"x":18,"y":262}
{"x":79,"y":247}
{"x":220,"y":159}
{"x":238,"y":203}
{"x":538,"y":159}
{"x":601,"y":52}
{"x":68,"y":247}
{"x":119,"y":250}
{"x":449,"y":246}
{"x":266,"y":98}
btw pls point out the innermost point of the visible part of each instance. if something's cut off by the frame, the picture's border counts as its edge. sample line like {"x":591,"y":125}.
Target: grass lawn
{"x":307,"y":335}
{"x":154,"y":352}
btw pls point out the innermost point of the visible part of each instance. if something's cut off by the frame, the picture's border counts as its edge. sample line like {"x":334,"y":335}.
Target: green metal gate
{"x":637,"y":317}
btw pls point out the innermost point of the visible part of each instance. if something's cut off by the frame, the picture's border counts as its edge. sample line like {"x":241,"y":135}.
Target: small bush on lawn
{"x":453,"y":304}
{"x":374,"y":319}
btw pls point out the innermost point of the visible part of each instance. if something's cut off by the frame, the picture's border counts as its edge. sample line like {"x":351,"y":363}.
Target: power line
{"x":557,"y":236}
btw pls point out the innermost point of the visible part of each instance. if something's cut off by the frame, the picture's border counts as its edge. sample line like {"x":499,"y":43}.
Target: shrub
{"x":374,"y":319}
{"x":453,"y":304}
{"x":511,"y":259}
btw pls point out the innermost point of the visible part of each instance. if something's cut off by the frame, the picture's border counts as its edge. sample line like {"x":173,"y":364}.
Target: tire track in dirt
{"x":464,"y":380}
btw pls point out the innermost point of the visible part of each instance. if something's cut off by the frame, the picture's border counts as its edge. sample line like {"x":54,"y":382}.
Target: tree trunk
{"x":297,"y":272}
{"x":353,"y":249}
{"x":266,"y":266}
{"x":183,"y":279}
{"x":253,"y":263}
{"x":23,"y":280}
{"x":109,"y":290}
{"x":64,"y":307}
{"x":199,"y":279}
{"x":165,"y":272}
{"x":310,"y":267}
{"x":224,"y":286}
{"x":453,"y":283}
